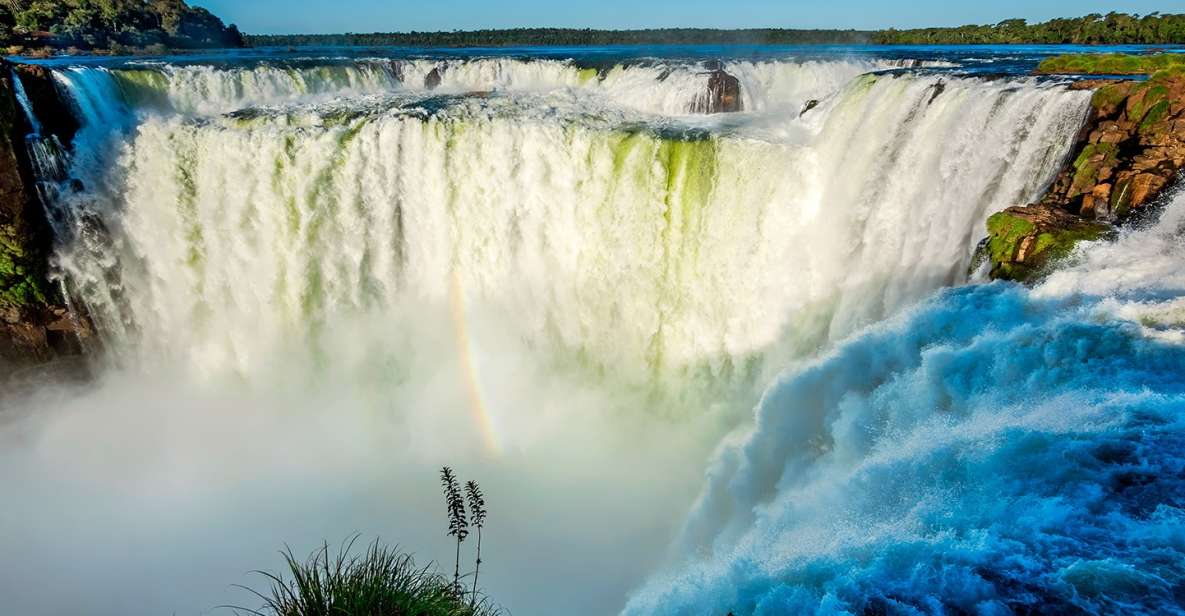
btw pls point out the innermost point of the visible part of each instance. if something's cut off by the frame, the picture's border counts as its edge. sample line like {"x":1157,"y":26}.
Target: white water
{"x":302,"y":302}
{"x":22,"y":98}
{"x":666,"y":88}
{"x":232,"y":235}
{"x":996,"y":450}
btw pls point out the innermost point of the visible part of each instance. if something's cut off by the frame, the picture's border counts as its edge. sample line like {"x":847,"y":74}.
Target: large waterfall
{"x":642,"y":243}
{"x":317,"y":280}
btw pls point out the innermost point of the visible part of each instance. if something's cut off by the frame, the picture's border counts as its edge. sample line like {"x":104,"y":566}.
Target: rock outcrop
{"x":1022,"y":241}
{"x":723,"y":94}
{"x":432,"y":79}
{"x":34,"y":324}
{"x":54,"y":113}
{"x":1131,"y":148}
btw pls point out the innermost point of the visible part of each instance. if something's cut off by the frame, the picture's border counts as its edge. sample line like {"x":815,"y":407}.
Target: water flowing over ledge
{"x":230,"y":234}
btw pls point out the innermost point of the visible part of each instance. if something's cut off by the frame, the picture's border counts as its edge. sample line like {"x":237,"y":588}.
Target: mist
{"x":151,"y":491}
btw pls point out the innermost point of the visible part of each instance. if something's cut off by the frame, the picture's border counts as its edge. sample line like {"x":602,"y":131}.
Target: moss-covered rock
{"x":1129,"y":152}
{"x":1023,"y":242}
{"x":34,"y":326}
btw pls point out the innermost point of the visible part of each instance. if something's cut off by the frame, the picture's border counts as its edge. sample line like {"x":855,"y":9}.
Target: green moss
{"x":1008,"y":231}
{"x":1111,"y":64}
{"x":1058,"y":245}
{"x":1110,"y":97}
{"x":1139,"y":105}
{"x":1005,"y":232}
{"x":1156,"y":114}
{"x":1087,"y":168}
{"x":21,"y":283}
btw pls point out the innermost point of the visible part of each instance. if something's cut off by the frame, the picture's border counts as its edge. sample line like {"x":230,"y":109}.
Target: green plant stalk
{"x":476,"y":568}
{"x":457,"y":570}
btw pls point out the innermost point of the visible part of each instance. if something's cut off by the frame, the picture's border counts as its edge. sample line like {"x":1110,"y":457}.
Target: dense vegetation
{"x":1113,"y":28}
{"x":1113,"y":64}
{"x":568,"y":37}
{"x":1095,"y":29}
{"x":158,"y":25}
{"x":112,"y":25}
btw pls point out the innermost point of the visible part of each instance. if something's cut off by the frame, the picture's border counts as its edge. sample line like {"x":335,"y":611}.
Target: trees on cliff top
{"x":1094,"y":29}
{"x":91,"y":24}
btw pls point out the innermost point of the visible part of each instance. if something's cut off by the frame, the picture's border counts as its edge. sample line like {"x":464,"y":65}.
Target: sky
{"x":319,"y":16}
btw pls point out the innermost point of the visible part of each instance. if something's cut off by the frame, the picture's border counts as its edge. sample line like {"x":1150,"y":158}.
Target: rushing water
{"x":318,"y":278}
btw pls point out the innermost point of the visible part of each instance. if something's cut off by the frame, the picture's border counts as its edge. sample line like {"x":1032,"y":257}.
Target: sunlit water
{"x":316,"y":281}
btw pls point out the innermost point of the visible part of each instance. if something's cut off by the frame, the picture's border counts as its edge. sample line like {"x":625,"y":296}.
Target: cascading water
{"x":318,"y":281}
{"x":236,"y":232}
{"x":997,"y":450}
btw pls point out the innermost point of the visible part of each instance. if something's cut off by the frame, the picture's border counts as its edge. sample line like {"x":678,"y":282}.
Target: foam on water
{"x":309,"y":278}
{"x":995,"y":450}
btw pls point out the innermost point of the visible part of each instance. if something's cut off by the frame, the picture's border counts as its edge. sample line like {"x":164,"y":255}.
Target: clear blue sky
{"x":335,"y":16}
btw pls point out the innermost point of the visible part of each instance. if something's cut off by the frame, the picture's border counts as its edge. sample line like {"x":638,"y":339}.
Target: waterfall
{"x":318,"y":280}
{"x":22,"y":99}
{"x":996,"y":450}
{"x":655,"y":87}
{"x":708,"y":252}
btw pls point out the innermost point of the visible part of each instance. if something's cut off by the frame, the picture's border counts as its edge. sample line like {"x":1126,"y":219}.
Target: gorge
{"x":299,"y":281}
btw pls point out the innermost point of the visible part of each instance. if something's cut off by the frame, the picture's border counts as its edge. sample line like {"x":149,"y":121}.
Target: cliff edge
{"x":1131,"y":149}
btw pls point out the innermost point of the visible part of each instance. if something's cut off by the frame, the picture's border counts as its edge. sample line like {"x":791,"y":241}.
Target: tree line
{"x":173,"y":24}
{"x":569,"y":37}
{"x":1113,"y":28}
{"x":1095,"y":29}
{"x":112,"y":24}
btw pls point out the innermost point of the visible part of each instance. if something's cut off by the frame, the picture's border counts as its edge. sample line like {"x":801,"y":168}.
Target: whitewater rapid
{"x":996,"y":450}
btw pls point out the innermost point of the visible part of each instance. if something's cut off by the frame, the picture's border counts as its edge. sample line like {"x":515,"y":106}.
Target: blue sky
{"x":305,"y":16}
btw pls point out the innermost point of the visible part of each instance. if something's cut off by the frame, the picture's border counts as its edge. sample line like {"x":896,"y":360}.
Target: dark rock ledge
{"x":35,"y":325}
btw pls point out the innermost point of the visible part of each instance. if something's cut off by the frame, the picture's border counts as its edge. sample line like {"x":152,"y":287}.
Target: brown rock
{"x":433,"y":79}
{"x":1144,"y":187}
{"x":723,"y":94}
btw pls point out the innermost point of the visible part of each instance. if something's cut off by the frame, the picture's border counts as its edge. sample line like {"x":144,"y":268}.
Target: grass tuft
{"x":380,"y":582}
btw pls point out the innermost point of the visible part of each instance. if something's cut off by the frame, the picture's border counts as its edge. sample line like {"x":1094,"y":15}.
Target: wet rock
{"x":34,"y":326}
{"x":811,"y":104}
{"x":723,"y":94}
{"x":939,"y":88}
{"x":53,"y":109}
{"x":1024,"y":241}
{"x":1133,"y":143}
{"x":433,"y":79}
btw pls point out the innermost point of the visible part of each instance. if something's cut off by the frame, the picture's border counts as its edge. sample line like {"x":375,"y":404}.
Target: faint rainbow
{"x":481,"y":414}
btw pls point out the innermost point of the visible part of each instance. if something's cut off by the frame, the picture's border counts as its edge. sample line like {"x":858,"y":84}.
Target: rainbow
{"x":481,"y":414}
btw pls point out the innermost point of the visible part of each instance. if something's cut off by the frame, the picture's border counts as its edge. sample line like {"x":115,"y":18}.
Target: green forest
{"x":1113,"y":28}
{"x":1096,"y":29}
{"x":113,"y":25}
{"x":159,"y":25}
{"x":572,"y":37}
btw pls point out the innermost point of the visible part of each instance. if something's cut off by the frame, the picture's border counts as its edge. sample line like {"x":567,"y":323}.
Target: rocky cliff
{"x":1130,"y":150}
{"x":34,"y":323}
